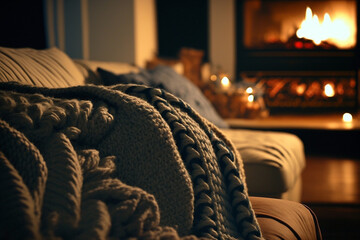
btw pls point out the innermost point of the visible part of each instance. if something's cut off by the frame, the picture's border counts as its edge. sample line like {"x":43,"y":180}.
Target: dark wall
{"x":182,"y":23}
{"x":22,"y":24}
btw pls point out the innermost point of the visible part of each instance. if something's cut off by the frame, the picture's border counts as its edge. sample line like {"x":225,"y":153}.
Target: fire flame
{"x":329,"y":90}
{"x":338,"y":31}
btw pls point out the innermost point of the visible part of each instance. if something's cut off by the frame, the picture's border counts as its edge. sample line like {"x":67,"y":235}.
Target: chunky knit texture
{"x":126,"y":161}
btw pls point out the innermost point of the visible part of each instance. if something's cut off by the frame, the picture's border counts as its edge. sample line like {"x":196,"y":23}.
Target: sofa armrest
{"x":283,"y":219}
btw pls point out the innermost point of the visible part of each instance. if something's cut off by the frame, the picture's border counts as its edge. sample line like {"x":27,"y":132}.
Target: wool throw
{"x":120,"y":162}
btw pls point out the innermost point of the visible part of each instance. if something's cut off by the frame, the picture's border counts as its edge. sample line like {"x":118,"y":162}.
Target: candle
{"x":251,"y":98}
{"x":249,"y":90}
{"x":213,"y":78}
{"x":347,"y":117}
{"x":225,"y":82}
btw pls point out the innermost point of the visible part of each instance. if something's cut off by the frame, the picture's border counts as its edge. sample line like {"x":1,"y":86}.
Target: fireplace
{"x":303,"y":53}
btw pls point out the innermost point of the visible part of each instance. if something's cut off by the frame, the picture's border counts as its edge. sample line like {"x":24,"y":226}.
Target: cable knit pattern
{"x":222,"y":207}
{"x":122,"y":162}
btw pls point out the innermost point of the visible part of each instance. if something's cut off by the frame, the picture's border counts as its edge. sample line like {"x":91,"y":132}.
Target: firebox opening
{"x":300,"y":24}
{"x":302,"y":52}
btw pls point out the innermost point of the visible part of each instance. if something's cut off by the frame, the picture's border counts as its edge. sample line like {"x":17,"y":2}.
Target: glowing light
{"x":329,"y":90}
{"x":251,"y":98}
{"x":347,"y":117}
{"x":225,"y":82}
{"x":249,"y":90}
{"x":213,"y":77}
{"x":300,"y":89}
{"x":338,"y":31}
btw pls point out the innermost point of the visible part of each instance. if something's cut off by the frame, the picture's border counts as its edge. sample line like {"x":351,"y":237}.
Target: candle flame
{"x":347,"y":117}
{"x":251,"y":98}
{"x":225,"y":81}
{"x":249,"y":90}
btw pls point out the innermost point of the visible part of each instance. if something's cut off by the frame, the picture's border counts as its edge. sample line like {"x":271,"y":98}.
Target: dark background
{"x":22,"y":24}
{"x":182,"y":23}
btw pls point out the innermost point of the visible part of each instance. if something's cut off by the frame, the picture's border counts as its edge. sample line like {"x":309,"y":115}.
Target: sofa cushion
{"x":168,"y":79}
{"x":282,"y":219}
{"x":44,"y":68}
{"x":273,"y":161}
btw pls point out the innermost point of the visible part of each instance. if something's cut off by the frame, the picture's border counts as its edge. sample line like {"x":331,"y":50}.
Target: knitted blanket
{"x":127,"y":162}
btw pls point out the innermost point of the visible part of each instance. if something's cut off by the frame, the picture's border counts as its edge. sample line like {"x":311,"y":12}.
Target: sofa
{"x":100,"y":150}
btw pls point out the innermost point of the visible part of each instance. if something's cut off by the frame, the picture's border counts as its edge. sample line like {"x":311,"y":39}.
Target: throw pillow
{"x":167,"y":78}
{"x":43,"y":68}
{"x":109,"y":78}
{"x":183,"y":88}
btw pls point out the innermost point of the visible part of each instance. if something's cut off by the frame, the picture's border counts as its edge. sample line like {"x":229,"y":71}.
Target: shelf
{"x":311,"y":122}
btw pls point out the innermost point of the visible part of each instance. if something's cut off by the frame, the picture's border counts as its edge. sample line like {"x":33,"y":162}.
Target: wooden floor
{"x":331,"y":188}
{"x":331,"y":179}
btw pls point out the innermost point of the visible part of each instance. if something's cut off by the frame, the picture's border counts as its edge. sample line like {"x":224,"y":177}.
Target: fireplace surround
{"x":300,"y":74}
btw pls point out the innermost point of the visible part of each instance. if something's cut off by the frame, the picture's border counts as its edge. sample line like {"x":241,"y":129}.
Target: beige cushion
{"x":44,"y":68}
{"x":273,"y":161}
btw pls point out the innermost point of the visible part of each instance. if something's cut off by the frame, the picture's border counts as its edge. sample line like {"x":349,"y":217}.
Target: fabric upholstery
{"x":277,"y":157}
{"x":53,"y":68}
{"x":282,"y":219}
{"x":44,"y":68}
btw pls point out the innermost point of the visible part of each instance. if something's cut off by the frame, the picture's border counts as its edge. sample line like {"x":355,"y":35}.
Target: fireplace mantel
{"x":329,"y":122}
